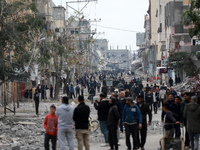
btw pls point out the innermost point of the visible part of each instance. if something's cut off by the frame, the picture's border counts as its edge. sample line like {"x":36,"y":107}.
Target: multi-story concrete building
{"x":177,"y":36}
{"x":140,"y":39}
{"x":100,"y":52}
{"x":118,"y":59}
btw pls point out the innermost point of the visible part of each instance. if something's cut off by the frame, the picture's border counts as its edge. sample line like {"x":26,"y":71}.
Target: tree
{"x":19,"y":25}
{"x":191,"y":18}
{"x":184,"y":60}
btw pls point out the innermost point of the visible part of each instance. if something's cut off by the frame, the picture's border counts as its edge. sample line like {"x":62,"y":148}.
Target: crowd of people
{"x":127,"y":110}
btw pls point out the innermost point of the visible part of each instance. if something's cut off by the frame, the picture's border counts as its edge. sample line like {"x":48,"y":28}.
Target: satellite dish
{"x":181,"y":43}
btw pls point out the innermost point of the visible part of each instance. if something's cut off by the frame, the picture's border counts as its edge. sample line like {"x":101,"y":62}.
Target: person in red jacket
{"x":51,"y":126}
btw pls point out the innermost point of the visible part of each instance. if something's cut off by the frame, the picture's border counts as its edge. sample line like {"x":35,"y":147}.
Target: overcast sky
{"x":118,"y":14}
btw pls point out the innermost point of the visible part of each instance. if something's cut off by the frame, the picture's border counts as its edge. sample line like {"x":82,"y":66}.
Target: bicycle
{"x":93,"y":125}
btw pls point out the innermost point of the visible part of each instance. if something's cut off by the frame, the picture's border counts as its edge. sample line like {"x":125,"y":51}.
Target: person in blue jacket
{"x":132,"y":120}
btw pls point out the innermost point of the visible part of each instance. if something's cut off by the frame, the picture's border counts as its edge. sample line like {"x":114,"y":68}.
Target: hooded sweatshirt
{"x":51,"y":124}
{"x":192,"y":116}
{"x":65,"y":116}
{"x":113,"y":116}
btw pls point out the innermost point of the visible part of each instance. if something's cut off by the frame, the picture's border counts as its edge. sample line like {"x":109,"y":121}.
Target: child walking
{"x":51,"y":126}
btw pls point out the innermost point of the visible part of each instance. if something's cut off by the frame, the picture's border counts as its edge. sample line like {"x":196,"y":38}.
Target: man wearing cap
{"x":132,"y":120}
{"x":144,"y":109}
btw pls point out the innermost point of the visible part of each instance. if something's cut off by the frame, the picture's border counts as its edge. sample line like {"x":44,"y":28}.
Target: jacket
{"x":120,"y":105}
{"x":65,"y":113}
{"x":182,"y":109}
{"x":149,"y":98}
{"x":36,"y":97}
{"x":72,"y":89}
{"x":144,"y":109}
{"x":131,"y":115}
{"x":103,"y":108}
{"x":113,"y":116}
{"x":51,"y":124}
{"x":169,"y":120}
{"x":81,"y":115}
{"x":176,"y":109}
{"x":104,"y":89}
{"x":92,"y":91}
{"x":174,"y":93}
{"x":144,"y":94}
{"x":165,"y":97}
{"x":170,"y":102}
{"x":192,"y":115}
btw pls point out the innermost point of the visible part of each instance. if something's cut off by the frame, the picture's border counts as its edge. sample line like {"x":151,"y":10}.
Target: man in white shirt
{"x":162,"y":94}
{"x":155,"y":101}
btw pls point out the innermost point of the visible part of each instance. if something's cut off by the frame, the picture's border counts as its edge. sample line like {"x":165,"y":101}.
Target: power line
{"x":115,"y":28}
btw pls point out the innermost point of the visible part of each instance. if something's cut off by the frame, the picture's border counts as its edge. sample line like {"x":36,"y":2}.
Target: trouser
{"x":155,"y":106}
{"x":36,"y":107}
{"x":77,"y":93}
{"x":82,"y":137}
{"x":177,"y":130}
{"x":121,"y":125}
{"x":53,"y":141}
{"x":132,"y":130}
{"x":98,"y":89}
{"x":104,"y":130}
{"x":161,"y":100}
{"x":51,"y":93}
{"x":194,"y":140}
{"x":187,"y":140}
{"x":82,"y":92}
{"x":72,"y":94}
{"x":150,"y":106}
{"x":113,"y":141}
{"x":91,"y":97}
{"x":143,"y":134}
{"x":67,"y":133}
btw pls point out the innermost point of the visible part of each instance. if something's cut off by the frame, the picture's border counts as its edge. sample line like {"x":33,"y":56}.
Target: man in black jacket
{"x":144,"y":109}
{"x":81,"y":115}
{"x":113,"y":119}
{"x":103,"y":108}
{"x":37,"y":101}
{"x":176,"y":109}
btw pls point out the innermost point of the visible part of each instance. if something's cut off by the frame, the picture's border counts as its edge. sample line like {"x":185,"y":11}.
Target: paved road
{"x":153,"y":138}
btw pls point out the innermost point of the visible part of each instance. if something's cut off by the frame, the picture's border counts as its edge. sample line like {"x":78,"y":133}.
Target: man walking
{"x":184,"y":120}
{"x":155,"y":100}
{"x":65,"y":123}
{"x":72,"y":92}
{"x":92,"y":93}
{"x":81,"y":115}
{"x":144,"y":109}
{"x":77,"y":90}
{"x":131,"y":118}
{"x":120,"y":105}
{"x":192,"y":115}
{"x":176,"y":109}
{"x":37,"y":101}
{"x":113,"y":120}
{"x":103,"y":108}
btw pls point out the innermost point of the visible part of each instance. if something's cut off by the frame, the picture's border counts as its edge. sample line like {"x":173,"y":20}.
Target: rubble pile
{"x":186,"y":84}
{"x":21,"y":135}
{"x":28,"y":134}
